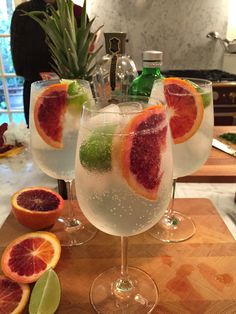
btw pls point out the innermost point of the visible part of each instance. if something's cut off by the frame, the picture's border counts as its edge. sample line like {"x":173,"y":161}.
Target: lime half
{"x":96,"y":151}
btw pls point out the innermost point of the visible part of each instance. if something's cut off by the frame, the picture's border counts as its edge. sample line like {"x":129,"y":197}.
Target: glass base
{"x":139,"y":296}
{"x":177,"y":229}
{"x":74,"y":231}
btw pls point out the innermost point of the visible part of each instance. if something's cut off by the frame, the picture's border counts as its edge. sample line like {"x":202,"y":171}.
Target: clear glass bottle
{"x":116,"y":70}
{"x":142,"y":85}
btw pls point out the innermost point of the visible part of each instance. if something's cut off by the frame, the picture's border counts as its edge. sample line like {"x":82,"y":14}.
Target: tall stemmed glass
{"x":123,"y":184}
{"x":55,"y":110}
{"x":191,"y":120}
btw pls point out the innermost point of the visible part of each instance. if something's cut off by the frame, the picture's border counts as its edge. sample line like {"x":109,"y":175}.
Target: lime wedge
{"x":76,"y":96}
{"x":206,"y":97}
{"x":95,"y":153}
{"x":46,"y":294}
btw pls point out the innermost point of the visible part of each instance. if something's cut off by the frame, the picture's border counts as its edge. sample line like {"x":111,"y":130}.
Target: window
{"x":11,"y":86}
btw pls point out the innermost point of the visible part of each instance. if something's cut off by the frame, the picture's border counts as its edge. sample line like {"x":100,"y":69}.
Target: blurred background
{"x":179,"y":28}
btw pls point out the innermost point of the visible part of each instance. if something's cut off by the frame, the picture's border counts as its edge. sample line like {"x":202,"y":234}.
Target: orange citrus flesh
{"x":26,"y":258}
{"x":140,"y":153}
{"x":12,"y":151}
{"x":187,"y":108}
{"x":13,"y":296}
{"x":37,"y":208}
{"x":49,"y":112}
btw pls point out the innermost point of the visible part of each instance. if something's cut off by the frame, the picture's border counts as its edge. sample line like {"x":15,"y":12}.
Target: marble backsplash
{"x":177,"y":27}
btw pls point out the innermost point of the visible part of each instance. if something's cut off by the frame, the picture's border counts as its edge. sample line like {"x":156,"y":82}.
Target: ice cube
{"x":130,"y":107}
{"x":112,"y":108}
{"x":107,"y":115}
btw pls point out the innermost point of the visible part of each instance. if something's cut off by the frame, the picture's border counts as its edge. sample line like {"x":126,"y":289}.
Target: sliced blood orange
{"x":10,"y":150}
{"x":49,"y":114}
{"x":37,"y":207}
{"x":186,"y":106}
{"x":26,"y":258}
{"x":13,"y":296}
{"x":140,"y":151}
{"x":3,"y":128}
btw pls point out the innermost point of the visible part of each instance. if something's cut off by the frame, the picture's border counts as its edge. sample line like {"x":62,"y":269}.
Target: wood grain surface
{"x":220,"y":167}
{"x":195,"y":276}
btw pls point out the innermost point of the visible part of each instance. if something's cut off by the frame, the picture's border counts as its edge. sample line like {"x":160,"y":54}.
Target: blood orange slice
{"x":186,"y":106}
{"x":26,"y":258}
{"x":13,"y":296}
{"x":140,"y":151}
{"x":3,"y":128}
{"x":49,"y":114}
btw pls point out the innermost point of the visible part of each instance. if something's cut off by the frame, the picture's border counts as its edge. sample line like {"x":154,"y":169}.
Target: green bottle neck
{"x":151,"y":71}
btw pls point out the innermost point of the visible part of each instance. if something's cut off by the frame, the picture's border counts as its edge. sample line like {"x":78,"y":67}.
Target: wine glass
{"x":190,"y":106}
{"x":123,"y":185}
{"x":55,"y":109}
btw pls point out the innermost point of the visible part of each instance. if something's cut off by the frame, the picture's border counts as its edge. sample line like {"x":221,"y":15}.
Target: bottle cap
{"x":152,"y":55}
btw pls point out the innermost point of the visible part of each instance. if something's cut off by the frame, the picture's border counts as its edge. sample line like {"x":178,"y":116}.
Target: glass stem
{"x":170,"y":210}
{"x":123,"y":286}
{"x":124,"y":260}
{"x":70,"y":215}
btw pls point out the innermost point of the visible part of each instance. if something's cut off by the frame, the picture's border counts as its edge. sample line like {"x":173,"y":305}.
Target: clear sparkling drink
{"x":190,"y":155}
{"x":54,"y":122}
{"x":124,"y":169}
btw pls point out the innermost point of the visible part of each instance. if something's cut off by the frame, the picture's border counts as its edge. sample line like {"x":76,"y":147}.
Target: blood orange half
{"x":186,"y":106}
{"x":37,"y":207}
{"x":26,"y":258}
{"x":49,"y":114}
{"x":13,"y":296}
{"x":140,"y":151}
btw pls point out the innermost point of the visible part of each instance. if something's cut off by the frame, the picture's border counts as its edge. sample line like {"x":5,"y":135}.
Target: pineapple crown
{"x":69,"y":44}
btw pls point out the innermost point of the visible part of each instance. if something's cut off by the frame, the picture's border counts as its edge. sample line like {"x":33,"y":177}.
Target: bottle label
{"x":115,"y":43}
{"x":151,"y":64}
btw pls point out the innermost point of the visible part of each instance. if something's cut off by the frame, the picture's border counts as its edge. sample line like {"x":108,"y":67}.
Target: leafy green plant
{"x":69,"y":43}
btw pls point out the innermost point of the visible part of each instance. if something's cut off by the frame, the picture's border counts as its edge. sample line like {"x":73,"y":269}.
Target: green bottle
{"x":142,"y":85}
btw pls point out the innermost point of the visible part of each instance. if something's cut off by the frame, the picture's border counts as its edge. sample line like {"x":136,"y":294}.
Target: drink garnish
{"x":95,"y":152}
{"x":49,"y":112}
{"x":186,"y":108}
{"x":139,"y":152}
{"x":206,"y":97}
{"x":76,"y":95}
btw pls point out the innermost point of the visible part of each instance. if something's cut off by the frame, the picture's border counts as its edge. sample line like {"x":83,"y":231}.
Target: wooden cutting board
{"x":195,"y":276}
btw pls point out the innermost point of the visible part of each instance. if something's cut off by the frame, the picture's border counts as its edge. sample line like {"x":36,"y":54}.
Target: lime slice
{"x":95,"y":153}
{"x":206,"y":97}
{"x":46,"y":294}
{"x":77,"y":96}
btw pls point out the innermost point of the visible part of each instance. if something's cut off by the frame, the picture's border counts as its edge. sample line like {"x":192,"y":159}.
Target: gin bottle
{"x":142,"y":85}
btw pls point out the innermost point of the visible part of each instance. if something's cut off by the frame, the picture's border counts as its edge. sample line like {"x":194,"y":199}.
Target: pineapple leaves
{"x":84,"y":15}
{"x":69,"y":44}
